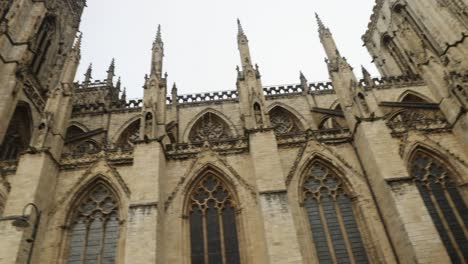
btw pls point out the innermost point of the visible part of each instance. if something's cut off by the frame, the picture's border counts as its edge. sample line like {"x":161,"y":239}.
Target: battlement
{"x":392,"y":81}
{"x":270,"y":92}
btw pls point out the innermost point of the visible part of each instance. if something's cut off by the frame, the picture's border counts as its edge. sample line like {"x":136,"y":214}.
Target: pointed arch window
{"x":43,"y":43}
{"x":208,"y":128}
{"x":94,"y":229}
{"x":332,"y":221}
{"x":18,"y":135}
{"x":130,"y":135}
{"x":213,"y":227}
{"x":444,"y":203}
{"x":332,"y":122}
{"x":283,"y":121}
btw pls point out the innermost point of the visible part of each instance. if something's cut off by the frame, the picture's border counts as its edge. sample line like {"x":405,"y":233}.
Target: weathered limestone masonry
{"x":371,"y":170}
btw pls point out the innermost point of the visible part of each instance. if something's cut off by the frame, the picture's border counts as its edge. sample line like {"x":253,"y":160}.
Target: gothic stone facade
{"x":370,"y":170}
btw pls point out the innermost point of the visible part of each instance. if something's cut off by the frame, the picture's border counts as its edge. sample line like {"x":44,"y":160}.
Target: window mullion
{"x":344,"y":232}
{"x":205,"y":237}
{"x":445,"y":224}
{"x":83,"y":253}
{"x":455,"y":212}
{"x":221,"y":235}
{"x":327,"y":233}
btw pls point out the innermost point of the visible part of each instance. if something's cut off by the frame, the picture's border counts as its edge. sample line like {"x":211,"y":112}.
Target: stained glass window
{"x":94,"y":230}
{"x":283,"y":121}
{"x":213,"y":229}
{"x":130,"y":135}
{"x":209,"y":127}
{"x":444,"y":203}
{"x":334,"y":228}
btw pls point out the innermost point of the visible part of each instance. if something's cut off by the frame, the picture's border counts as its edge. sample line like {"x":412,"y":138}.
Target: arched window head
{"x":412,"y":98}
{"x":73,"y":131}
{"x":283,"y":121}
{"x":332,"y":122}
{"x":94,"y":228}
{"x":85,"y":147}
{"x":18,"y":135}
{"x":130,"y":135}
{"x":332,"y":221}
{"x":42,"y":43}
{"x":258,"y":115}
{"x":443,"y":201}
{"x":402,"y":60}
{"x":209,"y":127}
{"x":213,"y":227}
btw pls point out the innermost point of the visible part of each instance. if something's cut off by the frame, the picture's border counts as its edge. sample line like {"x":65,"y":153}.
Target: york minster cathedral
{"x":353,"y":170}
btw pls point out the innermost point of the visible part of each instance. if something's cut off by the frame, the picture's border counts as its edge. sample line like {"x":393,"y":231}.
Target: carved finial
{"x":319,"y":22}
{"x":165,"y":75}
{"x":367,"y":77}
{"x":146,"y":81}
{"x":111,"y":72}
{"x":119,"y":83}
{"x":302,"y":77}
{"x":88,"y":74}
{"x":240,"y":30}
{"x":124,"y":94}
{"x":304,"y":83}
{"x":174,"y":88}
{"x":365,"y":73}
{"x":158,"y":35}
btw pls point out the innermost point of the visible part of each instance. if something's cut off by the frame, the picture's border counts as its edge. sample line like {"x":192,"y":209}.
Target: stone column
{"x":141,"y":239}
{"x":411,"y":229}
{"x":279,"y":227}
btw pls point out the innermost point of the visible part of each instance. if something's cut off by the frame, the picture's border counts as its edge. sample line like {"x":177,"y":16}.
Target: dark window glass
{"x":213,"y":232}
{"x":334,"y":230}
{"x":444,"y":203}
{"x":95,"y":228}
{"x":18,"y":135}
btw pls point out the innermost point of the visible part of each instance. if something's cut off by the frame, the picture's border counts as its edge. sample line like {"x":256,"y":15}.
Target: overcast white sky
{"x":200,"y":39}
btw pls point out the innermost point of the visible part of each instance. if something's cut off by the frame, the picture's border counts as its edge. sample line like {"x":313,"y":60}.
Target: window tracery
{"x":94,"y":228}
{"x":209,"y":127}
{"x":213,"y":228}
{"x":283,"y":121}
{"x":418,"y":119}
{"x":444,"y":203}
{"x":130,"y":135}
{"x":86,"y":147}
{"x":332,"y":221}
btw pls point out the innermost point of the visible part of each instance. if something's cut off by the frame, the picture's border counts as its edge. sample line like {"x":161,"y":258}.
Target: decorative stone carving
{"x":209,"y":127}
{"x":130,"y":135}
{"x":419,"y":119}
{"x":283,"y":121}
